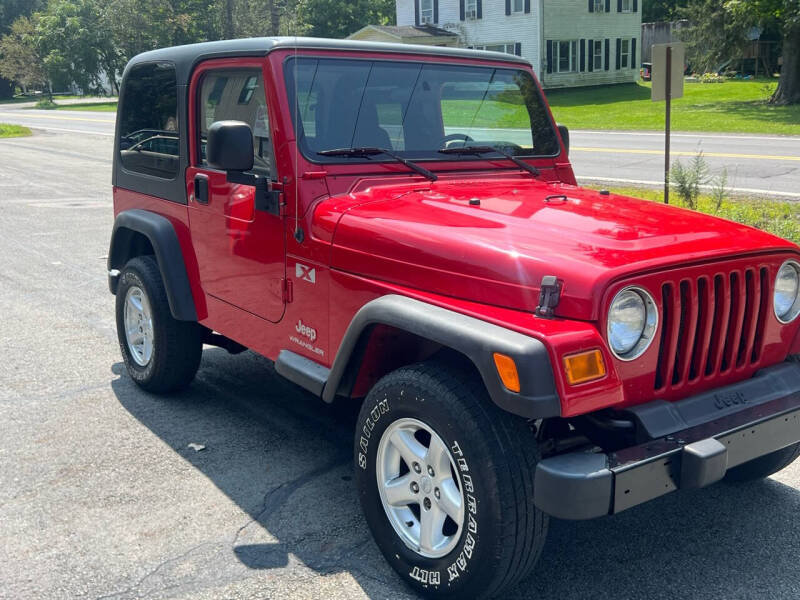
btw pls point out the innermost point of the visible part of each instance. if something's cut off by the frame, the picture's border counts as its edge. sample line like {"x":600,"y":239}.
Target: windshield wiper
{"x":368,"y":151}
{"x":486,"y":150}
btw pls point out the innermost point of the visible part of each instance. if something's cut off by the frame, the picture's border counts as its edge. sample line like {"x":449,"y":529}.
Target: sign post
{"x":668,"y":64}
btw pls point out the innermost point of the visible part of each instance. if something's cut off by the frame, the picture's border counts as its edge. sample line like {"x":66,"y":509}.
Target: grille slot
{"x":711,"y":325}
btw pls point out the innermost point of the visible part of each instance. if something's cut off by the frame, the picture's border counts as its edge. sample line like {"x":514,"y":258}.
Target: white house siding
{"x":495,"y":27}
{"x":571,"y":20}
{"x":405,"y":12}
{"x":553,"y":20}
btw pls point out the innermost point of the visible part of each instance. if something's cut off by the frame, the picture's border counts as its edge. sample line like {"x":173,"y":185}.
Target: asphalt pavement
{"x":241,"y":487}
{"x":765,"y":165}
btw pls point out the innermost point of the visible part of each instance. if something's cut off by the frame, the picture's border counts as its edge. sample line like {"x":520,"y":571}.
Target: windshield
{"x":415,"y":109}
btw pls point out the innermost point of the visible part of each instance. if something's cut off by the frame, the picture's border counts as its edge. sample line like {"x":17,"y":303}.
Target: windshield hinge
{"x":549,"y":295}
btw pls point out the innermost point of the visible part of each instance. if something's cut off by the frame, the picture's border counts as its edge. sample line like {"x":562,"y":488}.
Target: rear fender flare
{"x":164,"y":241}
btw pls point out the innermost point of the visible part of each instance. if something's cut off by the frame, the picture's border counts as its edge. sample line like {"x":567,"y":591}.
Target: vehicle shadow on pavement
{"x":285,"y":458}
{"x":282,"y":455}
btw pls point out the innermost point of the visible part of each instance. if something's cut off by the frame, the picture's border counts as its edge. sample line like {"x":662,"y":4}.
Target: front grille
{"x":711,"y":325}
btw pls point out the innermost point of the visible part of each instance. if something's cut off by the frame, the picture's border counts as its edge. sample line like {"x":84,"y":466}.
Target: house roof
{"x":186,"y":57}
{"x":411,"y":31}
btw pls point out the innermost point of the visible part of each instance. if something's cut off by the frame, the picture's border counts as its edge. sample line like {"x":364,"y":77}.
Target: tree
{"x":20,"y":61}
{"x":10,"y":11}
{"x":654,"y":11}
{"x":719,"y":31}
{"x":73,"y":42}
{"x":340,"y":18}
{"x":786,"y":15}
{"x":715,"y":34}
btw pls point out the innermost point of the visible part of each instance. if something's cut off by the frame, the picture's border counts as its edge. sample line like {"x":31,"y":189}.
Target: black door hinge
{"x":288,"y":291}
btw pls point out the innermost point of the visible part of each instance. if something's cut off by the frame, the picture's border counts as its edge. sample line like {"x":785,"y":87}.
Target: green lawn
{"x":733,"y":106}
{"x":22,"y":99}
{"x":780,"y":218}
{"x":9,"y":131}
{"x":92,"y":106}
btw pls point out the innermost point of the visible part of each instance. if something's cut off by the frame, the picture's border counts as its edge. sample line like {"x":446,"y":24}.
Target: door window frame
{"x":193,"y":99}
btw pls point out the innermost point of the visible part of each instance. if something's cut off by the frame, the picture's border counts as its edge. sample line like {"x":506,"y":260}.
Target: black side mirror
{"x":229,"y":146}
{"x":563,"y":130}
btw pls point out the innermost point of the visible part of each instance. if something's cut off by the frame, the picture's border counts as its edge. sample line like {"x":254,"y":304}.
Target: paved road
{"x":102,"y":497}
{"x":767,"y":165}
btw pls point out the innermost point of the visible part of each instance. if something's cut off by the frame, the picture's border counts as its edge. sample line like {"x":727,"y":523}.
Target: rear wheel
{"x":445,"y":480}
{"x":160,"y":353}
{"x":764,"y":466}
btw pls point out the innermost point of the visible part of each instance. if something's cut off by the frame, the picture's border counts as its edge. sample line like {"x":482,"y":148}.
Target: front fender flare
{"x":475,"y":339}
{"x":164,"y":240}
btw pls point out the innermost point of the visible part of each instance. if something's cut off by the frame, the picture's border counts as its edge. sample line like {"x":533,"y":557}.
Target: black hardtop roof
{"x":185,"y":57}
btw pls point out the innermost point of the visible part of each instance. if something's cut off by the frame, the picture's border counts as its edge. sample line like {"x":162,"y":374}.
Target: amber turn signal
{"x":507,"y":370}
{"x":584,"y":366}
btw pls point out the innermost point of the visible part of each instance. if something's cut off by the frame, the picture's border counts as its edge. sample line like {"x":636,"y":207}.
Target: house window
{"x":565,"y":56}
{"x":599,"y":6}
{"x":625,"y":54}
{"x":505,"y":48}
{"x":627,"y":5}
{"x":518,"y":6}
{"x":426,"y":12}
{"x":597,"y":55}
{"x":471,"y":9}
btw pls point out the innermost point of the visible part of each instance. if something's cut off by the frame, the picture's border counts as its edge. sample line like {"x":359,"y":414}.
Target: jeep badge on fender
{"x":519,"y":347}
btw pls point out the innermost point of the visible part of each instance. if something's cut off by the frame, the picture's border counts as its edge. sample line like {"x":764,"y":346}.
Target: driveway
{"x":241,"y":486}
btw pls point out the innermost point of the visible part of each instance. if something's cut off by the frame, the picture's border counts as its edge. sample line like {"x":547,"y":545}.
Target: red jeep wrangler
{"x":400,"y":226}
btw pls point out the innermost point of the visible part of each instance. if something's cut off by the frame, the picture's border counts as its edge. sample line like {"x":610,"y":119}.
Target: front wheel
{"x":445,"y":480}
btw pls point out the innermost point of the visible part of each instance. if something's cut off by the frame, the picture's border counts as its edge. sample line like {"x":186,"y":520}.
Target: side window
{"x":149,"y":140}
{"x":238,"y":95}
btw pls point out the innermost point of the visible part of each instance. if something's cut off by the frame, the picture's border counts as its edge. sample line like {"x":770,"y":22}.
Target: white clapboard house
{"x":569,"y":42}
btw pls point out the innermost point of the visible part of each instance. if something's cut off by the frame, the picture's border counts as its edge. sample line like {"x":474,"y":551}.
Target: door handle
{"x":201,"y":188}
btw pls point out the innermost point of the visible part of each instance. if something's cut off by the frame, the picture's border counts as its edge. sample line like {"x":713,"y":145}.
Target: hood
{"x":493,"y":240}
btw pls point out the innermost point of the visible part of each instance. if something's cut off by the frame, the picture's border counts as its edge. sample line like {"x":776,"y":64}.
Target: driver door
{"x":240,"y":250}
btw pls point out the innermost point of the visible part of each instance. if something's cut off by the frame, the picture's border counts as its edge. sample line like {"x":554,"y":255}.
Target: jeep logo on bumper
{"x":727,"y":399}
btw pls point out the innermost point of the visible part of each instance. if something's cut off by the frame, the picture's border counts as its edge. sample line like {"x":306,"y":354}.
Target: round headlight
{"x":787,"y":292}
{"x":632,"y":323}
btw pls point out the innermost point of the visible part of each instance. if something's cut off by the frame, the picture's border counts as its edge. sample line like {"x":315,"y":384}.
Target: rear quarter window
{"x":149,"y":141}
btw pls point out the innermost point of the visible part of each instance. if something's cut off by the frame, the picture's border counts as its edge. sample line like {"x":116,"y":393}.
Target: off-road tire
{"x":764,"y":466}
{"x":177,"y":345}
{"x":497,"y":450}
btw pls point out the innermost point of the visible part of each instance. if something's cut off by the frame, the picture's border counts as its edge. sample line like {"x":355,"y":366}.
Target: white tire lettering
{"x":381,"y":408}
{"x":462,"y":562}
{"x":469,"y":544}
{"x":425,"y":577}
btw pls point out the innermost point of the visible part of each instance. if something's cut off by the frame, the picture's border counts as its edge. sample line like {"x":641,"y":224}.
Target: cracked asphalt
{"x":101,"y":495}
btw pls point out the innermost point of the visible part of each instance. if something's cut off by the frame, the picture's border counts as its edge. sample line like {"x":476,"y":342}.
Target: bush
{"x":688,"y":180}
{"x":46,"y":104}
{"x":711,"y":78}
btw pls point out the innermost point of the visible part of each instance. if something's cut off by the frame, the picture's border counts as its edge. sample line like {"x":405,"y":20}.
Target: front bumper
{"x":759,"y":416}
